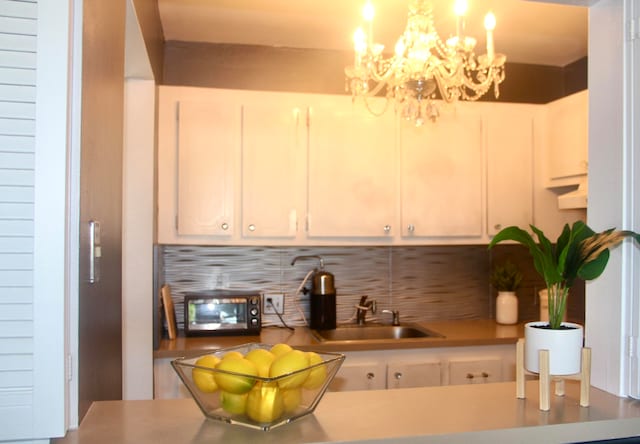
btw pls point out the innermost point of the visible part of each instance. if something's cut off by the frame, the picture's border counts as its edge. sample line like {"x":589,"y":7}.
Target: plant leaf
{"x":546,"y":264}
{"x":542,"y":261}
{"x":594,"y":268}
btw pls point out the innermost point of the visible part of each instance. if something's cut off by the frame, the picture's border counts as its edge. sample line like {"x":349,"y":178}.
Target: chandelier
{"x":422,"y":64}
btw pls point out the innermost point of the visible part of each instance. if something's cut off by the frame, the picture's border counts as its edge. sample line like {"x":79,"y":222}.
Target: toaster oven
{"x":222,"y":312}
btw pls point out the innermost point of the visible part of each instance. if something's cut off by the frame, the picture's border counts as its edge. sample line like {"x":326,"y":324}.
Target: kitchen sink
{"x":373,"y":332}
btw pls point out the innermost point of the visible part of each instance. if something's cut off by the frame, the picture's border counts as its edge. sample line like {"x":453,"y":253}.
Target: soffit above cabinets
{"x":530,"y":32}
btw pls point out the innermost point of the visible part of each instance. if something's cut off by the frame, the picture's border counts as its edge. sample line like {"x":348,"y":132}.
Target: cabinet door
{"x":208,"y":140}
{"x":413,"y":374}
{"x":351,"y":182}
{"x":568,"y":121}
{"x":441,"y":177}
{"x":476,"y":371}
{"x":509,"y":168}
{"x":271,"y":174}
{"x":361,"y":376}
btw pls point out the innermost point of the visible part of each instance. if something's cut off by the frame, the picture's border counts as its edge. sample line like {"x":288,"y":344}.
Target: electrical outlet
{"x":277,"y":301}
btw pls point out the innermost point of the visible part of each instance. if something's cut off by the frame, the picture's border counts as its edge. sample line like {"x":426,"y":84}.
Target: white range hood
{"x":576,"y":198}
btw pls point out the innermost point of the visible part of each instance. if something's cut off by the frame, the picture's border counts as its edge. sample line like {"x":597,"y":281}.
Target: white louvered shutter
{"x":32,"y":217}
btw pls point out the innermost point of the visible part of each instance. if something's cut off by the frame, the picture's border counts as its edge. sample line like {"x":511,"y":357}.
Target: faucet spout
{"x":362,"y":309}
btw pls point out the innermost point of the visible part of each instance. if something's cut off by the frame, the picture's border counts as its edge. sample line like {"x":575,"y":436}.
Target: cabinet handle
{"x":224,"y":226}
{"x":252,"y":227}
{"x":397,"y":375}
{"x":483,"y":374}
{"x":411,"y":228}
{"x":387,"y":228}
{"x":371,"y":375}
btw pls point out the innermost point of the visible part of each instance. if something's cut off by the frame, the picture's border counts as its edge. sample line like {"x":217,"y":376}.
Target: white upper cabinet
{"x":510,"y":138}
{"x":568,"y":146}
{"x":268,"y":168}
{"x":273,"y":142}
{"x":351,"y":176}
{"x":208,"y":138}
{"x":441,"y":177}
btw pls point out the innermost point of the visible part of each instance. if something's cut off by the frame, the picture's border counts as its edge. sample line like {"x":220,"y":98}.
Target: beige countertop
{"x":454,"y":334}
{"x":482,"y":413}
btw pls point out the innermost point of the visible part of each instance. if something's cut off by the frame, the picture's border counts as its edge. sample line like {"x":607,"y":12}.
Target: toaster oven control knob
{"x":254,"y":311}
{"x":254,"y":322}
{"x":254,"y":300}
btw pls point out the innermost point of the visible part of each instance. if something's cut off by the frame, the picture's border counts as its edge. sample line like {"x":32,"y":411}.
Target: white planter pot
{"x":565,"y":347}
{"x":506,"y":307}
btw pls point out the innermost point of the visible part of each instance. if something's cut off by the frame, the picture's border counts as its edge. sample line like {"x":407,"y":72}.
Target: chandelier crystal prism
{"x":424,"y":67}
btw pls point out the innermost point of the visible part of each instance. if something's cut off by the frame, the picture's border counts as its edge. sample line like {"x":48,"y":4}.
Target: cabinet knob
{"x":497,"y":226}
{"x":387,"y":228}
{"x":252,"y":227}
{"x":224,"y":226}
{"x":411,"y":228}
{"x":397,"y":375}
{"x":371,"y":375}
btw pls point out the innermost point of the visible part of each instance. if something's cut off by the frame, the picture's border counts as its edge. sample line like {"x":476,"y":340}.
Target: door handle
{"x":95,"y":251}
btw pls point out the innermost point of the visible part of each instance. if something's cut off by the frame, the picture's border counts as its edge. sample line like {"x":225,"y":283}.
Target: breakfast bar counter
{"x":483,"y":413}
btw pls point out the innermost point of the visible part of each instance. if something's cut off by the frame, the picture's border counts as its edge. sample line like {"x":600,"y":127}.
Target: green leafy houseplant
{"x":579,"y":252}
{"x":506,"y":277}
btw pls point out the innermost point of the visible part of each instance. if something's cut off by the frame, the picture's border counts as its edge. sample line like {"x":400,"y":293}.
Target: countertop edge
{"x":463,"y":333}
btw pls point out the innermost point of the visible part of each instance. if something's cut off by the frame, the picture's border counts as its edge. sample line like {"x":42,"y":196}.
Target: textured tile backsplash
{"x":423,"y":283}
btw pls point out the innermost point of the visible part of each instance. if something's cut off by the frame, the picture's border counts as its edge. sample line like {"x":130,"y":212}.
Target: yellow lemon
{"x":318,"y":374}
{"x":204,"y":379}
{"x":233,"y":403}
{"x":280,"y":349}
{"x":262,"y":358}
{"x":291,"y":399}
{"x":236,"y":383}
{"x":264,"y":403}
{"x":291,"y":361}
{"x":233,"y":354}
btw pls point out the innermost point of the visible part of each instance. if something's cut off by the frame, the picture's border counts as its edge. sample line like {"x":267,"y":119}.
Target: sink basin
{"x":373,"y":332}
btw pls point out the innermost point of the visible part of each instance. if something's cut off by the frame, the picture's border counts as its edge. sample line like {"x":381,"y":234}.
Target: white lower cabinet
{"x":360,"y":376}
{"x":475,"y":371}
{"x":413,"y":374}
{"x":166,"y":383}
{"x":391,"y":369}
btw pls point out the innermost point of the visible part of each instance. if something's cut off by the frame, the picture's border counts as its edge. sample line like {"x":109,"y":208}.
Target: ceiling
{"x":526,"y":31}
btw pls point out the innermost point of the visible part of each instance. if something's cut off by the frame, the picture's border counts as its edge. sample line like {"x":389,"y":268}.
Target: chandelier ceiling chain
{"x":424,"y":66}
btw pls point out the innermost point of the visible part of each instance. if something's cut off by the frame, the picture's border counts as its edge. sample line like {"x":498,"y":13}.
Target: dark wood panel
{"x":100,"y":304}
{"x":265,"y":68}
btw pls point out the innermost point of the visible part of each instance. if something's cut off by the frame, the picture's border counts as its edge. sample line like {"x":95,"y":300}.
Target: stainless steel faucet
{"x":362,"y":309}
{"x":395,"y":314}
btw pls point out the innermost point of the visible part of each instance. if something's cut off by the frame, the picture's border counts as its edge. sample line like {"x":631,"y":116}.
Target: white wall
{"x":609,"y":321}
{"x":138,"y":203}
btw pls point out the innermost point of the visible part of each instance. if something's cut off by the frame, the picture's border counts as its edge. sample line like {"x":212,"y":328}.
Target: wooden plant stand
{"x":545,"y":378}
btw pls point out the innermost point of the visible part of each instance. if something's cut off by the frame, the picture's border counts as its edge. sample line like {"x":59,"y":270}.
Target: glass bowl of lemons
{"x":258,"y":385}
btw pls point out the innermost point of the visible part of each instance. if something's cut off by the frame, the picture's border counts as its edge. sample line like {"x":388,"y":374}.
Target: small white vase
{"x":507,"y":307}
{"x":565,"y":347}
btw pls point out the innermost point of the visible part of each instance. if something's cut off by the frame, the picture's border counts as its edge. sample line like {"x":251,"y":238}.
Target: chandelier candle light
{"x":423,"y":63}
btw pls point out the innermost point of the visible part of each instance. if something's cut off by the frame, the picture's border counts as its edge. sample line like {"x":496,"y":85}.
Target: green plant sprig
{"x":506,"y":277}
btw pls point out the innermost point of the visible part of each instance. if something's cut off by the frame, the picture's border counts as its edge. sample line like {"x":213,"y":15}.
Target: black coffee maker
{"x":322,"y":298}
